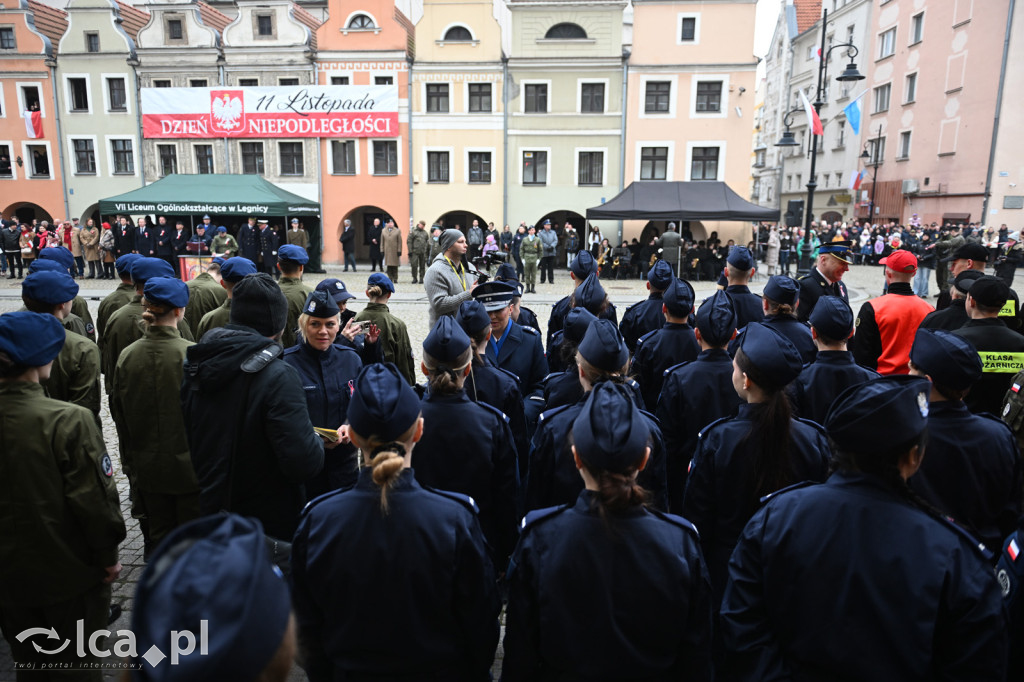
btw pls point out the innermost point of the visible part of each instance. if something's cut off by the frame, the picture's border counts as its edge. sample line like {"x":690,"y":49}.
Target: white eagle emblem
{"x":227,"y":110}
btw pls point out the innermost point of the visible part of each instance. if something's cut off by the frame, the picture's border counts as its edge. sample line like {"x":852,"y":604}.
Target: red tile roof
{"x":807,"y":12}
{"x":213,"y":18}
{"x":308,"y":20}
{"x":49,"y":21}
{"x":132,"y":19}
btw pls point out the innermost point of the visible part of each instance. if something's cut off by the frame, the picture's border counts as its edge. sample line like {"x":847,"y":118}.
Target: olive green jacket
{"x":224,"y":245}
{"x":296,"y":292}
{"x":61,"y":516}
{"x":75,"y":376}
{"x":418,"y":242}
{"x":204,"y":294}
{"x":118,"y":298}
{"x":122,"y":330}
{"x":80,"y":308}
{"x":530,"y":249}
{"x":218,"y":317}
{"x":394,"y":337}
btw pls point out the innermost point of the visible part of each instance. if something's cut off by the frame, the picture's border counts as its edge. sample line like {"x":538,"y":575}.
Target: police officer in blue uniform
{"x":589,"y":295}
{"x":466,"y":447}
{"x":369,"y":350}
{"x":855,"y":579}
{"x":512,"y":347}
{"x":674,"y":343}
{"x":646,"y":316}
{"x":582,"y":267}
{"x":760,"y":450}
{"x":825,"y":278}
{"x":973,"y":469}
{"x":392,"y":579}
{"x":602,"y":356}
{"x":607,"y":558}
{"x":520,"y":314}
{"x":695,"y":394}
{"x":834,"y":369}
{"x":740,"y":268}
{"x":781,"y":298}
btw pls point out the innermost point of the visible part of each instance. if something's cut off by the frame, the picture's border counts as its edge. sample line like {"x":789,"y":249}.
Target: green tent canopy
{"x":241,"y":195}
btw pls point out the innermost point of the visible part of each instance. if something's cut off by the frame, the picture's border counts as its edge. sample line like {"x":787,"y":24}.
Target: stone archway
{"x":26,"y":212}
{"x":362,"y":218}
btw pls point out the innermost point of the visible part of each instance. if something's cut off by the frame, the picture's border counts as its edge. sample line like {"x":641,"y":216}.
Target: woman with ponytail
{"x":759,"y":451}
{"x":857,"y":579}
{"x":392,"y":580}
{"x":608,"y":559}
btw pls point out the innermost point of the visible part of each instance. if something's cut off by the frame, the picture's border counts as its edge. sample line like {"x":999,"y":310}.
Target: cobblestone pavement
{"x":409,"y":303}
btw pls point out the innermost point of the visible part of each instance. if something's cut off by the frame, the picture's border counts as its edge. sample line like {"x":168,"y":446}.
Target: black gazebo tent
{"x":656,"y":200}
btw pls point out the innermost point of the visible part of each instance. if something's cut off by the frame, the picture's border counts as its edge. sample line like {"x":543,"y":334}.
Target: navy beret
{"x":213,"y":569}
{"x":832,"y":318}
{"x":740,"y":258}
{"x":60,"y":255}
{"x":661,"y":275}
{"x":446,"y":341}
{"x":222,"y":229}
{"x":31,"y":339}
{"x":583,"y":265}
{"x":472,"y":317}
{"x":873,"y":416}
{"x":293,"y":252}
{"x":950,"y":360}
{"x":123,"y":264}
{"x":336,"y":288}
{"x":167,"y":290}
{"x":577,"y":322}
{"x":234,"y":269}
{"x":383,"y":405}
{"x":678,"y":297}
{"x":39,"y":265}
{"x":495,"y":295}
{"x":716,"y":319}
{"x":381,"y":280}
{"x":52,"y":288}
{"x":782,"y":289}
{"x":320,"y":304}
{"x":610,"y":434}
{"x":506,"y":273}
{"x":590,"y":294}
{"x":147,"y":268}
{"x":989,"y":291}
{"x":771,"y":353}
{"x":603,"y":346}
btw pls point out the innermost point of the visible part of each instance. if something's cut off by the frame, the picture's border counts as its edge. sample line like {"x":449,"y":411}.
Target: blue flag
{"x":852,"y":112}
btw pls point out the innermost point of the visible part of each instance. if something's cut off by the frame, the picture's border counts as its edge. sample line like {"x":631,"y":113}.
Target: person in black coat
{"x":825,"y":278}
{"x":590,"y":296}
{"x":674,"y":343}
{"x":145,"y":239}
{"x":581,"y":269}
{"x":392,"y":551}
{"x":644,"y":317}
{"x":740,"y":268}
{"x":124,"y":237}
{"x":913,"y":594}
{"x":249,"y":240}
{"x":512,"y":347}
{"x":608,"y":559}
{"x":163,"y":234}
{"x":954,"y":315}
{"x":780,"y":303}
{"x":179,"y":239}
{"x":373,"y":239}
{"x":269,"y":242}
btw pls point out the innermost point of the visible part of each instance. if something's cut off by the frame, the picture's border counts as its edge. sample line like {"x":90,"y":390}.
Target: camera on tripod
{"x":482,"y":264}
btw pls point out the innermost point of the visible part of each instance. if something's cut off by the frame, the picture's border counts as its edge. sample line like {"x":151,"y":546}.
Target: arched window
{"x":566,"y":31}
{"x":458,"y":33}
{"x":360,"y":21}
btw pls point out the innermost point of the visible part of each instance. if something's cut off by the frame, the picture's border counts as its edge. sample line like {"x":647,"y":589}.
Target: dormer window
{"x":566,"y":31}
{"x":361,"y":22}
{"x":264,"y":25}
{"x":458,"y":34}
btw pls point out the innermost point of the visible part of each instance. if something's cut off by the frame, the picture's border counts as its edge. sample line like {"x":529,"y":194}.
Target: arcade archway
{"x":26,"y":212}
{"x":459,"y":220}
{"x":362,"y":219}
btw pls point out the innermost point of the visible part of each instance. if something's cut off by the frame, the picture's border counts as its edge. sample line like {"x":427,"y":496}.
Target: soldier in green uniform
{"x":291,"y":260}
{"x":529,"y":251}
{"x":418,"y":245}
{"x":435,"y":245}
{"x":119,"y":297}
{"x":71,"y":321}
{"x":146,"y":408}
{"x":80,"y":308}
{"x":948,"y":243}
{"x":393,"y":333}
{"x":223,"y":244}
{"x":57,"y":562}
{"x":75,"y":376}
{"x":231,"y":272}
{"x":204,"y":293}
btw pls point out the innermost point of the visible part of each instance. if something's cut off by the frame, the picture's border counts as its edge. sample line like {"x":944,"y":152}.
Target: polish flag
{"x":817,"y":55}
{"x":856,"y":179}
{"x":1013,"y":550}
{"x":33,"y":124}
{"x":812,"y":116}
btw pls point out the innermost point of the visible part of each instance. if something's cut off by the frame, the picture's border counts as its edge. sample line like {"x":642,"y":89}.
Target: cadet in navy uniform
{"x":327,"y":371}
{"x":490,"y":384}
{"x":646,"y":316}
{"x":695,"y":394}
{"x":602,"y":356}
{"x":512,"y":347}
{"x":825,"y":278}
{"x":467,"y":447}
{"x":834,"y":369}
{"x":973,"y":468}
{"x":580,"y":269}
{"x":674,"y":343}
{"x":521,"y":315}
{"x":855,"y":579}
{"x":589,"y":295}
{"x":740,"y":268}
{"x":607,"y":559}
{"x":392,"y":553}
{"x":760,"y":450}
{"x":781,"y":301}
{"x":363,"y":341}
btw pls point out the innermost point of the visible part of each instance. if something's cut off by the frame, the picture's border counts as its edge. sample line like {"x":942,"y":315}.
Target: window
{"x":479,"y":97}
{"x":248,"y":82}
{"x":917,"y":28}
{"x":910,"y":88}
{"x":124,"y":159}
{"x":118,"y":95}
{"x":839,"y":180}
{"x":709,"y":96}
{"x":85,"y":157}
{"x":30,"y":97}
{"x":175,"y":29}
{"x":881,"y":98}
{"x":361,"y":21}
{"x":252,"y":158}
{"x":458,"y":34}
{"x":535,"y":168}
{"x":7,"y":38}
{"x":92,"y":42}
{"x":385,"y":157}
{"x":204,"y":159}
{"x":688,"y":29}
{"x":79,"y":93}
{"x":704,"y":163}
{"x":383,"y":80}
{"x":39,"y":161}
{"x":287,"y":81}
{"x":759,"y":157}
{"x":479,"y":167}
{"x":290,"y":154}
{"x":904,"y":151}
{"x":343,"y":153}
{"x":653,"y":163}
{"x":536,"y":98}
{"x":656,"y":97}
{"x":339,"y":80}
{"x":592,"y":98}
{"x":168,"y":159}
{"x":437,"y":166}
{"x":849,"y":33}
{"x":876,"y":151}
{"x":840,"y":134}
{"x":591,"y":168}
{"x":264,"y":25}
{"x":566,"y":31}
{"x":6,"y":171}
{"x":197,"y":83}
{"x":824,"y":180}
{"x":437,"y":98}
{"x":161,"y":83}
{"x":887,"y":43}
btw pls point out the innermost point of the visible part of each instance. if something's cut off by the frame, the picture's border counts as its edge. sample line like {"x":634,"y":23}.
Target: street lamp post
{"x":849,"y":74}
{"x":874,"y":160}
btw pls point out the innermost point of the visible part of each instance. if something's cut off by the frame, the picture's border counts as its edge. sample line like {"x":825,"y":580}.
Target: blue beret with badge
{"x":379,"y":279}
{"x":320,"y":304}
{"x":60,"y":255}
{"x":39,"y":265}
{"x":740,"y":258}
{"x":211,"y":575}
{"x":661,"y":275}
{"x":294,"y":253}
{"x":832,"y":318}
{"x":383,"y":404}
{"x":878,"y":414}
{"x":950,"y":360}
{"x":472,"y":317}
{"x":336,"y":288}
{"x":147,"y":268}
{"x":678,"y":297}
{"x":123,"y":264}
{"x":495,"y":295}
{"x":603,"y":346}
{"x":583,"y":265}
{"x":590,"y":295}
{"x":771,"y":353}
{"x":167,"y":291}
{"x":840,"y":250}
{"x":716,"y":319}
{"x":446,"y":341}
{"x":577,"y":322}
{"x":31,"y":339}
{"x":782,"y":289}
{"x":234,"y":269}
{"x":610,"y":434}
{"x":51,"y":288}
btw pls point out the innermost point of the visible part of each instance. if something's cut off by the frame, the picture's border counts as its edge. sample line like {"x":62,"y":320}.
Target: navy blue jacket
{"x":409,"y":595}
{"x":693,"y":395}
{"x":468,"y":448}
{"x":145,"y":241}
{"x":850,"y":581}
{"x":522,"y":353}
{"x":811,"y":394}
{"x":560,"y":309}
{"x":642,"y":318}
{"x":164,"y":239}
{"x":657,"y":351}
{"x":500,"y":389}
{"x":179,"y":242}
{"x":971,"y":471}
{"x":812,"y":287}
{"x":528,"y":318}
{"x":749,"y":306}
{"x":950,"y":318}
{"x":327,"y":382}
{"x":721,"y":491}
{"x":124,"y":238}
{"x":1010,"y":575}
{"x":638,"y":578}
{"x":268,"y":247}
{"x":563,"y":388}
{"x":249,"y":242}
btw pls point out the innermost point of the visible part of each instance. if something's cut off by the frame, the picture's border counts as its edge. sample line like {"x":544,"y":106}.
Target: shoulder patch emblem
{"x":107,"y":466}
{"x":90,"y":328}
{"x":922,"y":404}
{"x":1004,"y":582}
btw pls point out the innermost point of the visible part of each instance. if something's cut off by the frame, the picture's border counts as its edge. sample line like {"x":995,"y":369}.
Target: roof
{"x":215,"y":194}
{"x":213,"y":18}
{"x":132,"y":19}
{"x":698,"y":200}
{"x":307,"y":20}
{"x":49,"y":21}
{"x":807,"y":12}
